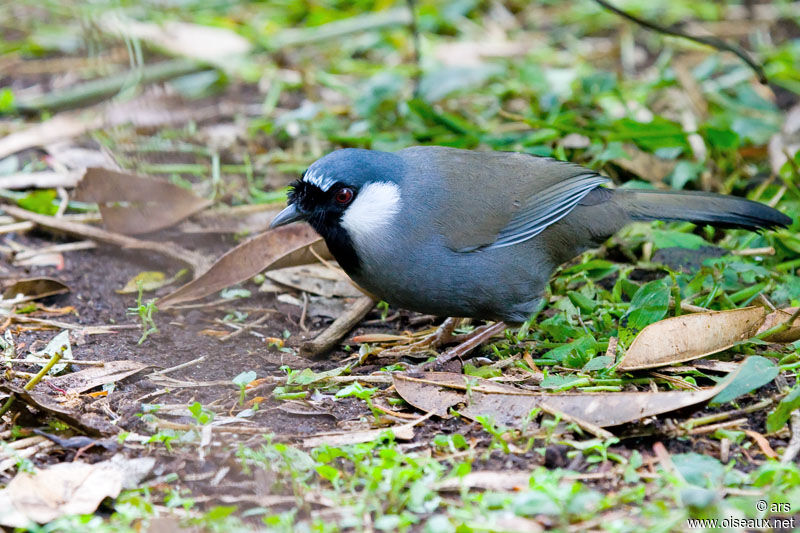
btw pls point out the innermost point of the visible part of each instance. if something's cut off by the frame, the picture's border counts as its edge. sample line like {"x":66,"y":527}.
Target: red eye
{"x":344,"y":196}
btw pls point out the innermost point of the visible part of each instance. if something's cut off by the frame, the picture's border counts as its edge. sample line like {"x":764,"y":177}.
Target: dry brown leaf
{"x":786,"y":142}
{"x":316,"y":279}
{"x":205,"y":43}
{"x":282,"y":247}
{"x":437,"y":392}
{"x":133,"y":204}
{"x":645,"y":165}
{"x":687,"y":337}
{"x":35,"y":288}
{"x":777,"y":318}
{"x":110,"y":372}
{"x":401,"y":432}
{"x":68,"y":489}
{"x":239,"y":219}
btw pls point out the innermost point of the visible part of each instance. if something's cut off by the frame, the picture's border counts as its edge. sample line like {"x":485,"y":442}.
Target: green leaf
{"x":649,"y":304}
{"x":650,"y":136}
{"x":778,"y":417}
{"x":244,"y":378}
{"x":585,"y":304}
{"x":598,"y":363}
{"x":755,"y":372}
{"x":6,"y":100}
{"x":40,"y":201}
{"x":699,"y":470}
{"x":579,"y":346}
{"x":670,"y":239}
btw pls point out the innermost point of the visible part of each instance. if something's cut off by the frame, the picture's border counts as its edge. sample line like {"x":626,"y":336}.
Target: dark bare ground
{"x":216,"y":477}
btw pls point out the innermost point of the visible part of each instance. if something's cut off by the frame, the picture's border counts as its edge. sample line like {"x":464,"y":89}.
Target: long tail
{"x":700,"y":208}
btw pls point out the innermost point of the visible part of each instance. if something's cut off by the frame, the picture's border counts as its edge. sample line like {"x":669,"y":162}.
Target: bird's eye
{"x":344,"y":196}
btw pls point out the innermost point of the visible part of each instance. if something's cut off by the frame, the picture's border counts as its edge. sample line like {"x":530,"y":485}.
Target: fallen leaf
{"x":787,"y":141}
{"x":147,"y":281}
{"x":89,"y":423}
{"x":58,"y":344}
{"x":205,"y":43}
{"x":35,"y":288}
{"x":282,"y":247}
{"x":645,"y":165}
{"x":110,"y":372}
{"x":687,"y":337}
{"x":316,"y":279}
{"x":132,"y":204}
{"x":401,"y":432}
{"x":495,"y":480}
{"x":240,"y":219}
{"x":437,"y":392}
{"x":68,"y":489}
{"x":776,"y":318}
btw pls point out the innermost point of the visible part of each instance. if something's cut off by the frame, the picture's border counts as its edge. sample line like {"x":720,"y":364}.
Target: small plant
{"x":241,"y":381}
{"x":201,"y":415}
{"x":145,"y":312}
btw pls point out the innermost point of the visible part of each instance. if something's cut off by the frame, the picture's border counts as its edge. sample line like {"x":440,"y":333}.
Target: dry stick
{"x":793,"y":448}
{"x":245,"y":327}
{"x":594,"y":429}
{"x":197,"y":262}
{"x":83,"y":362}
{"x":178,"y":367}
{"x":713,"y":42}
{"x":341,"y":326}
{"x":718,"y":417}
{"x":35,"y":379}
{"x":478,"y":338}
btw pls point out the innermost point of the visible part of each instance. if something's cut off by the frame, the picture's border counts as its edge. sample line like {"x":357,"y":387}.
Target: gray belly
{"x":497,"y":284}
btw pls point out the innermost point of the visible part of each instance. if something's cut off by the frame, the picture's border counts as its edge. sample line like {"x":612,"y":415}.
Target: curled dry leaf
{"x":316,"y":279}
{"x":132,"y":204}
{"x":687,"y":337}
{"x":778,"y":317}
{"x":437,"y":392}
{"x":35,"y":288}
{"x":110,"y":372}
{"x":286,"y":246}
{"x":68,"y":489}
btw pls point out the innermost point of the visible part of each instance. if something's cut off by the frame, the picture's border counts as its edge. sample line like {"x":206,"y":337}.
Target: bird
{"x":477,"y":234}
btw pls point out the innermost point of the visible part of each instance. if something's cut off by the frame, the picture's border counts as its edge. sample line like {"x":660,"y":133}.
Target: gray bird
{"x":462,"y":233}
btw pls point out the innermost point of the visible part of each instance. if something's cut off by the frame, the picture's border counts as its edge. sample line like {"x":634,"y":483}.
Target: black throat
{"x":326,"y":220}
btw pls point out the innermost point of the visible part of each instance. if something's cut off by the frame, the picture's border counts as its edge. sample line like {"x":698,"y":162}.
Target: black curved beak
{"x":287,"y":216}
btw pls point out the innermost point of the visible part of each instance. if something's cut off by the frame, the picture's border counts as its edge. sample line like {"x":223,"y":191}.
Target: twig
{"x":95,"y":90}
{"x":245,"y":327}
{"x":594,"y":429}
{"x":478,"y":337}
{"x":415,"y":40}
{"x":55,"y":358}
{"x":178,"y":367}
{"x":713,"y":427}
{"x":326,"y":340}
{"x":717,"y":417}
{"x":197,"y":262}
{"x":713,"y":42}
{"x":793,"y":448}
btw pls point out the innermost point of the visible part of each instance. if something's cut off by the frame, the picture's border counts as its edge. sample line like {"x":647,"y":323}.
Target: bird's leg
{"x":473,"y":340}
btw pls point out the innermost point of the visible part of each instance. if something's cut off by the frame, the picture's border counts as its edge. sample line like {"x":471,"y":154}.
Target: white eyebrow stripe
{"x":318,"y":180}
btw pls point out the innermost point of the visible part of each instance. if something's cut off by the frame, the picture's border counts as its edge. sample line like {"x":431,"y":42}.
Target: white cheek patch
{"x":373,"y":209}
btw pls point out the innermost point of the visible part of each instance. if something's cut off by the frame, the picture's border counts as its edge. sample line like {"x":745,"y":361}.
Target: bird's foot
{"x":443,"y":335}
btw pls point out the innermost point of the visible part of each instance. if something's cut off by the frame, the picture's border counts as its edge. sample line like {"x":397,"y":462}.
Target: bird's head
{"x":349,"y":197}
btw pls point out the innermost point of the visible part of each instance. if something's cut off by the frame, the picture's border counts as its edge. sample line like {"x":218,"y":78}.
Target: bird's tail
{"x":700,"y":208}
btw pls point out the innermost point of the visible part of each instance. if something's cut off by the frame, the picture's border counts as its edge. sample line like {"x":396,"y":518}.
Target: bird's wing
{"x":546,"y":208}
{"x":496,"y":199}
